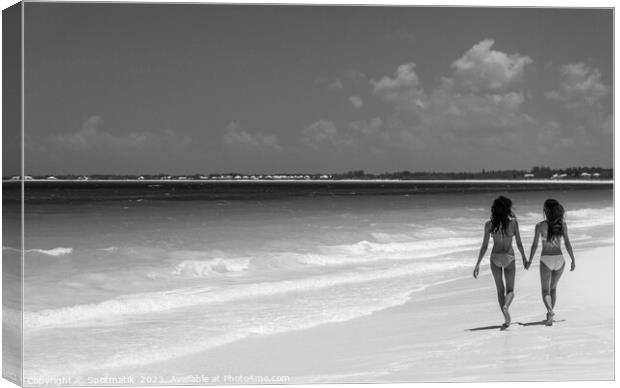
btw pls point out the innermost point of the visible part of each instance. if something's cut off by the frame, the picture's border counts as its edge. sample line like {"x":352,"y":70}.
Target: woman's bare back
{"x":552,"y":247}
{"x":502,"y":242}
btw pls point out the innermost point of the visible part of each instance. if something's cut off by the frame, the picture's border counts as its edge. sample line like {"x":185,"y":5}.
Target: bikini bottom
{"x":553,"y":262}
{"x":502,"y":260}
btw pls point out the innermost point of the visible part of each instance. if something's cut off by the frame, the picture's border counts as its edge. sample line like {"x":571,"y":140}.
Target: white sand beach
{"x":449,"y":332}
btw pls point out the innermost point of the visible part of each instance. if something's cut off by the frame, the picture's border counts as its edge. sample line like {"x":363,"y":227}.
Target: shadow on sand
{"x":538,"y":323}
{"x":494,"y":327}
{"x":502,"y":328}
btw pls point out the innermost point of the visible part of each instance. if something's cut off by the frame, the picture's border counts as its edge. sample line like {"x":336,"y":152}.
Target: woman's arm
{"x":483,"y":248}
{"x":534,"y":245}
{"x":569,"y":247}
{"x":520,"y":244}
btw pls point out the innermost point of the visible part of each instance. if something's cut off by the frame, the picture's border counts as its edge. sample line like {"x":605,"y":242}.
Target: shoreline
{"x":447,"y":333}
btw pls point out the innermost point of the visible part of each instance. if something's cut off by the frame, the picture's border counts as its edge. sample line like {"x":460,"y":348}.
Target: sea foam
{"x":198,"y":268}
{"x":154,"y":302}
{"x":149,"y":354}
{"x":58,"y":251}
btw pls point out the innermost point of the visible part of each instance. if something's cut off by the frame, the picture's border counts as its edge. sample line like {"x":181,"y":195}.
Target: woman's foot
{"x":506,"y":316}
{"x":549,"y":321}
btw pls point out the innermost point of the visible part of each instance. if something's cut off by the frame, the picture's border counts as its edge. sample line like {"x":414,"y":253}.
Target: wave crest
{"x":200,"y":268}
{"x":58,"y":251}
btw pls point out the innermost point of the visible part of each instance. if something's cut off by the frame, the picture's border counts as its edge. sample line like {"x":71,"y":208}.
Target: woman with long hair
{"x":503,"y":227}
{"x":552,"y":230}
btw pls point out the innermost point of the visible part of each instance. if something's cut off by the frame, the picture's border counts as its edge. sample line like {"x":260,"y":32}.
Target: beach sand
{"x":448,"y":332}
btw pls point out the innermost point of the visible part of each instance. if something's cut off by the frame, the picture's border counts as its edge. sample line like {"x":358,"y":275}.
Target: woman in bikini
{"x":502,"y":226}
{"x":551,"y":231}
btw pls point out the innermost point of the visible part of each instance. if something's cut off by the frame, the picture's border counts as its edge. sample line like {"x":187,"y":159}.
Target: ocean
{"x":126,"y":275}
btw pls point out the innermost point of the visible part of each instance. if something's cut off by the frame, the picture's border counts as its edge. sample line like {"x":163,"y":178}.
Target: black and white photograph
{"x":227,"y":194}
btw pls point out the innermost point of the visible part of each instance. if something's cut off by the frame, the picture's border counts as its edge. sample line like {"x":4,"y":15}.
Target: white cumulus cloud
{"x":390,"y":89}
{"x":482,"y":69}
{"x":579,"y":86}
{"x":479,"y":105}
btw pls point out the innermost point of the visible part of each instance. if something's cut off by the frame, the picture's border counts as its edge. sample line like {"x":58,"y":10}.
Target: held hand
{"x":572,"y":266}
{"x":526,"y":265}
{"x":476,"y":271}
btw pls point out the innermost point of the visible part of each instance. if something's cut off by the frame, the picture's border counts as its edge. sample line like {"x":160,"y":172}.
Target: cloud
{"x":582,"y":92}
{"x":322,"y":132}
{"x":350,"y":78}
{"x":336,"y":85}
{"x":94,"y":148}
{"x":484,"y":70}
{"x":478,"y":107}
{"x":358,"y":135}
{"x":482,"y":106}
{"x":580,"y":86}
{"x":471,"y":113}
{"x":235,"y":136}
{"x":483,"y":94}
{"x":367,"y":127}
{"x":391,"y":89}
{"x":356,"y":102}
{"x":92,"y":137}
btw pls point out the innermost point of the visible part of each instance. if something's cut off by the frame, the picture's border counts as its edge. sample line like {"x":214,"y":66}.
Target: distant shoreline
{"x":46,"y":191}
{"x":326,"y":181}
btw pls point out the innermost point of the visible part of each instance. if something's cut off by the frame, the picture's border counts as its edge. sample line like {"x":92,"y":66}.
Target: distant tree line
{"x":537,"y":172}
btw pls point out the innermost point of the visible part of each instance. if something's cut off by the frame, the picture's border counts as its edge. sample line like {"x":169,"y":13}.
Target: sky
{"x":179,"y":89}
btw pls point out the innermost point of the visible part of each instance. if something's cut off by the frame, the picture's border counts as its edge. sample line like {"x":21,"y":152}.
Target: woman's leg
{"x":499,"y":284}
{"x":555,"y":278}
{"x":545,"y":285}
{"x":501,"y":291}
{"x":509,"y":275}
